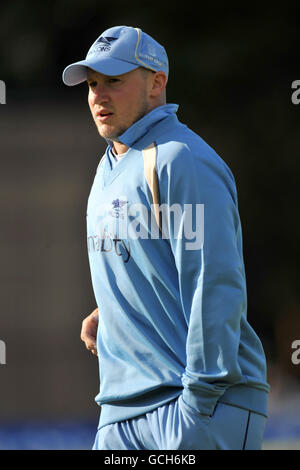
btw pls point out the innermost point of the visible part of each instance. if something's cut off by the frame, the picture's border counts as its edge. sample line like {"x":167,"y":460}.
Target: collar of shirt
{"x":143,"y":125}
{"x":114,"y":159}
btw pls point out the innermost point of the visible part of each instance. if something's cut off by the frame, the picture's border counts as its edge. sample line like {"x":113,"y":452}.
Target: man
{"x":180,"y":366}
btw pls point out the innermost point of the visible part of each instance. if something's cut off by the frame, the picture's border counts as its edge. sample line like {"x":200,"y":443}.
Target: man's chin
{"x":110,"y":134}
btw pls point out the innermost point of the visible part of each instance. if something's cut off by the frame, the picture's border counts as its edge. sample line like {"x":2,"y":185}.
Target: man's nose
{"x":100,"y":93}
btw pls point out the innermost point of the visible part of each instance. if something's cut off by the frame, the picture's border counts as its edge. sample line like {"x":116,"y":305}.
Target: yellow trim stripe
{"x":149,"y":154}
{"x":135,"y":52}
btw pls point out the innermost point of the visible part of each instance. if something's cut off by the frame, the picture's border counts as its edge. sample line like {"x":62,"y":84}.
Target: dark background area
{"x":231,"y":71}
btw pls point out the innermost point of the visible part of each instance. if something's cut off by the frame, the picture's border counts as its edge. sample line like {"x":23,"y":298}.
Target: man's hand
{"x":89,"y":331}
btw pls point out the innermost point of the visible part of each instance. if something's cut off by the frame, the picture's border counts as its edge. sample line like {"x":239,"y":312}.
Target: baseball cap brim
{"x":77,"y":73}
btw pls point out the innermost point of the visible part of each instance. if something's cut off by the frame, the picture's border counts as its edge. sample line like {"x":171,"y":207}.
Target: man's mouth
{"x":102,"y":116}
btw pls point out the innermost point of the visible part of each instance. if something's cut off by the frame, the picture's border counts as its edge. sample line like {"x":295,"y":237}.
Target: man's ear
{"x":158,"y":82}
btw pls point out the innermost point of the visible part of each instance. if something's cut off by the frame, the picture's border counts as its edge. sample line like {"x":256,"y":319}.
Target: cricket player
{"x":180,"y":366}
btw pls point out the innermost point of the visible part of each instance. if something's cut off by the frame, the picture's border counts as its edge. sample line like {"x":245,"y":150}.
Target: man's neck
{"x":119,"y":148}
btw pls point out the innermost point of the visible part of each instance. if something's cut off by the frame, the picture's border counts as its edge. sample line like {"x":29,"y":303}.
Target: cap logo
{"x":103,"y":44}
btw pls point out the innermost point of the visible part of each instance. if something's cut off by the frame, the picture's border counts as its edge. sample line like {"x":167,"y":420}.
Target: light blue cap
{"x":119,"y":50}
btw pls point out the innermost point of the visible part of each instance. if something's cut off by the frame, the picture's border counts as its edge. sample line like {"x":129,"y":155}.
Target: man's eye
{"x":92,"y":84}
{"x":113,"y":80}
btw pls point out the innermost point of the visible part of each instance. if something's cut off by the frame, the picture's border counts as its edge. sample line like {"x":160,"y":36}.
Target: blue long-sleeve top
{"x":172,"y":309}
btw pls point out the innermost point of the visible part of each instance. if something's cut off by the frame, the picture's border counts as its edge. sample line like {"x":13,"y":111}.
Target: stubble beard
{"x":116,"y":133}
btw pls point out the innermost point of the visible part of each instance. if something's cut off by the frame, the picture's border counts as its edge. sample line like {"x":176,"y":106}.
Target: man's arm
{"x":211,"y":276}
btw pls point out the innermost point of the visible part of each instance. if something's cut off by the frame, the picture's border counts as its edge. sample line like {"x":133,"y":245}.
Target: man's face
{"x":116,"y":102}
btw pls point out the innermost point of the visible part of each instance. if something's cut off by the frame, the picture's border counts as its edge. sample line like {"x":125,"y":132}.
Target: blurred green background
{"x":231,"y":71}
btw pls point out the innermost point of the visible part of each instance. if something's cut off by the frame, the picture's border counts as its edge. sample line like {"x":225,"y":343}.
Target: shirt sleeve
{"x":204,"y":232}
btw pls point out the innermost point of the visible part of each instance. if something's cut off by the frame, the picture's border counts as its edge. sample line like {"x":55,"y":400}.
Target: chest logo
{"x":118,"y":210}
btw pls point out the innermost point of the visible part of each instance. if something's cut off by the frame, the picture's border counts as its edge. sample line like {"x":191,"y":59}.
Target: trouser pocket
{"x":191,"y":430}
